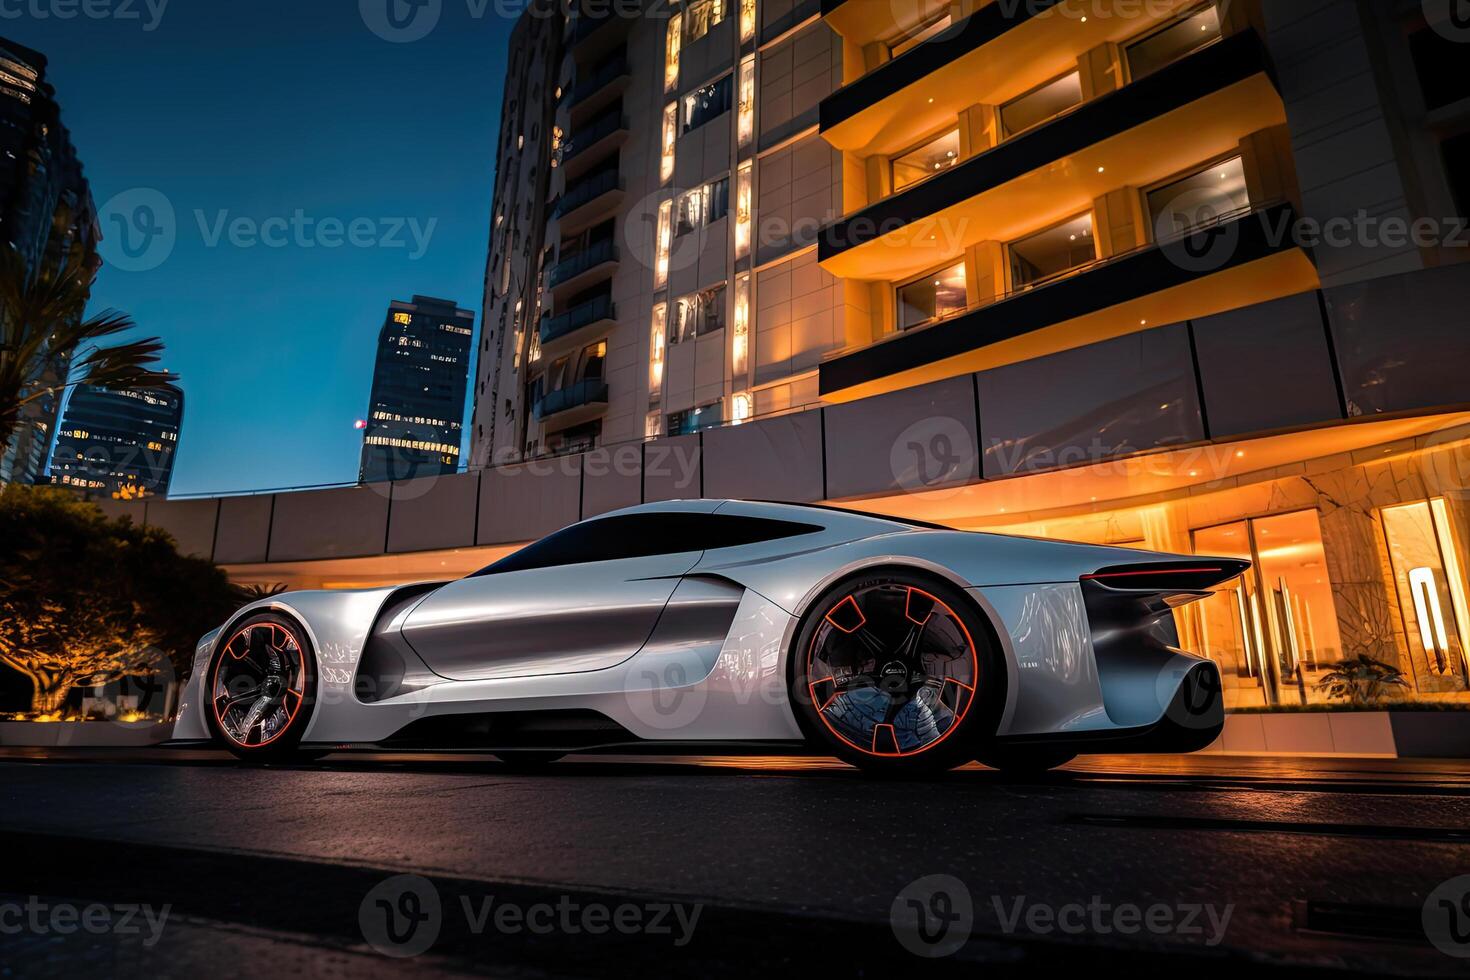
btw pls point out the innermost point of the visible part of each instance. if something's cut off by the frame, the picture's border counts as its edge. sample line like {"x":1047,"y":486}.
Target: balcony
{"x":587,"y":201}
{"x":590,"y":143}
{"x":581,"y":322}
{"x":580,"y":270}
{"x":598,"y":90}
{"x":593,"y":37}
{"x":579,"y":402}
{"x":1247,"y":257}
{"x":1199,"y":107}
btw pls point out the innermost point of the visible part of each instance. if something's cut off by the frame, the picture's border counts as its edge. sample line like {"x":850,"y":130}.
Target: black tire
{"x":1025,"y":760}
{"x":862,"y":649}
{"x":528,"y":761}
{"x":273,"y":653}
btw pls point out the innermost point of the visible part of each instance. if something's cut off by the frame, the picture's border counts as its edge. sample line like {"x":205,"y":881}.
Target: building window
{"x":744,"y":193}
{"x":1431,"y":593}
{"x":698,"y":314}
{"x":1439,"y":62}
{"x":706,"y":104}
{"x":664,"y":242}
{"x":656,"y":342}
{"x":670,"y":137}
{"x":740,"y":342}
{"x":653,"y":425}
{"x":745,"y":120}
{"x":674,"y":40}
{"x":1173,"y":41}
{"x":932,"y":297}
{"x":702,"y":206}
{"x":1041,"y":104}
{"x":1051,"y":253}
{"x":917,"y":36}
{"x":747,"y":20}
{"x":692,"y":420}
{"x":740,"y":407}
{"x":939,"y":153}
{"x":702,"y":16}
{"x":1199,"y":200}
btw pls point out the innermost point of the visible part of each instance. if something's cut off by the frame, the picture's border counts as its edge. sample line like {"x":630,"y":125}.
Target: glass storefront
{"x":1430,"y":593}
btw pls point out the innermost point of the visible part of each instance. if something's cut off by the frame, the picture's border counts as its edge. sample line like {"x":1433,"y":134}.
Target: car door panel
{"x":555,"y":620}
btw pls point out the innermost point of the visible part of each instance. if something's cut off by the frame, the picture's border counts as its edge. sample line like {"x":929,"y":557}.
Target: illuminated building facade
{"x":1176,"y":275}
{"x":118,"y":445}
{"x":46,"y":214}
{"x":414,"y":425}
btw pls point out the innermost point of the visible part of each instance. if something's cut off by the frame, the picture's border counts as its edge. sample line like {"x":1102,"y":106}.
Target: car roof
{"x":778,"y":509}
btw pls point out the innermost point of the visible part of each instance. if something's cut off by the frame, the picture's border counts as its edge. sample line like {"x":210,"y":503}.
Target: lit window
{"x":740,"y":407}
{"x":1041,"y":104}
{"x":745,"y":120}
{"x":653,"y":425}
{"x":912,"y":39}
{"x":740,"y":342}
{"x":702,"y":206}
{"x":1431,"y":592}
{"x":663,"y":244}
{"x":1170,"y":43}
{"x":402,"y":318}
{"x":656,"y":350}
{"x":698,"y":314}
{"x":1053,"y":252}
{"x":670,"y":136}
{"x":707,"y":103}
{"x":693,"y":420}
{"x":933,"y":297}
{"x":1199,"y":200}
{"x":671,"y":52}
{"x":743,"y":195}
{"x":747,"y":20}
{"x":704,"y":15}
{"x":938,"y":154}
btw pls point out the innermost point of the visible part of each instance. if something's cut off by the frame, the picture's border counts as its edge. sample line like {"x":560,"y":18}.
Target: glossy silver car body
{"x":692,"y":647}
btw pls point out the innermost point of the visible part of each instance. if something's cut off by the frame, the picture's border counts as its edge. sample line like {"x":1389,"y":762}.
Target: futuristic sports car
{"x":707,"y":625}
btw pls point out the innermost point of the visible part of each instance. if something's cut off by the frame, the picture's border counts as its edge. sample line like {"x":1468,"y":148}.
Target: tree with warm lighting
{"x":85,"y":600}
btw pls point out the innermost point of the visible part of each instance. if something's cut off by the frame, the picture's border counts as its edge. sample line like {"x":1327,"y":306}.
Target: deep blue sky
{"x":257,"y":110}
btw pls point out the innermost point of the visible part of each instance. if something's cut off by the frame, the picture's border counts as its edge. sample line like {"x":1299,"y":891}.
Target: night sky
{"x":260,"y":110}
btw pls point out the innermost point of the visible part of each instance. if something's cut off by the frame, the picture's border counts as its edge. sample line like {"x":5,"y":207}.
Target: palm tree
{"x":48,"y":343}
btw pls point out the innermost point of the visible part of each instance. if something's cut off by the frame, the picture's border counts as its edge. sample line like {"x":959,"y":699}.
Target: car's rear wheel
{"x":1029,"y":760}
{"x":896,"y":673}
{"x":260,"y":687}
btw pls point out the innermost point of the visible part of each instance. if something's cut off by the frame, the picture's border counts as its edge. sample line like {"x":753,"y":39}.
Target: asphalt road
{"x":170,"y":863}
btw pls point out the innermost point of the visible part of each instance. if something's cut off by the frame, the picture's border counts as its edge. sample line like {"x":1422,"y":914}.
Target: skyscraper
{"x":118,"y":444}
{"x":415,"y":417}
{"x":46,"y":214}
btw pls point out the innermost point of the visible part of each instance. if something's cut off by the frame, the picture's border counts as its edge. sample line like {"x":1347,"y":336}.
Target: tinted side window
{"x":643,"y":535}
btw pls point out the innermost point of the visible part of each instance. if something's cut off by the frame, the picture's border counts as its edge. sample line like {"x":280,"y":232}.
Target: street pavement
{"x":371,"y":864}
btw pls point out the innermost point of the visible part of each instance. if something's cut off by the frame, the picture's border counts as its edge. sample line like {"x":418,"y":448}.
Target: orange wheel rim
{"x":258,"y":684}
{"x":892,"y":670}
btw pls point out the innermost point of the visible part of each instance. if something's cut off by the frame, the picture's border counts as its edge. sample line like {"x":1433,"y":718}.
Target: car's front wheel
{"x":896,"y":673}
{"x":260,"y":687}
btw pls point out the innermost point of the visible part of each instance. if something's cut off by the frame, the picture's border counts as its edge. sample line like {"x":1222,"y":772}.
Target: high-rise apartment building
{"x":415,"y":421}
{"x":1175,"y":274}
{"x":118,"y":444}
{"x":46,"y":215}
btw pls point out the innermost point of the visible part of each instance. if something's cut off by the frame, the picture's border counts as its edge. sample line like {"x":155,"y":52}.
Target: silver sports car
{"x":708,"y":625}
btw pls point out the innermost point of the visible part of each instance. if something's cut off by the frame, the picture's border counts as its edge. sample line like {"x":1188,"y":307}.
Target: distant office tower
{"x":46,"y":213}
{"x":118,"y":444}
{"x":415,"y":419}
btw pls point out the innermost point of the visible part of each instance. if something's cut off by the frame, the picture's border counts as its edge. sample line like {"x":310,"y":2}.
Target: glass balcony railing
{"x":588,"y":258}
{"x":592,"y":391}
{"x":587,"y":190}
{"x":599,"y":79}
{"x":591,"y":134}
{"x":554,"y":328}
